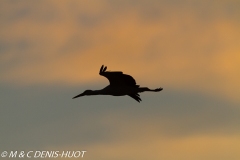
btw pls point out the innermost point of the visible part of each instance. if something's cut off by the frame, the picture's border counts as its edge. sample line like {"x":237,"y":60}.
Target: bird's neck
{"x":96,"y":92}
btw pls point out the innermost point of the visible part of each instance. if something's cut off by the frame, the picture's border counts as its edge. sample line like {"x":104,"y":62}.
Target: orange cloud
{"x":212,"y":148}
{"x":176,"y":50}
{"x":144,"y":137}
{"x":146,"y":141}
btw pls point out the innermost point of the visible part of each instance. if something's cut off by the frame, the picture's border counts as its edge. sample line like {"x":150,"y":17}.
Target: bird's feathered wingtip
{"x":103,"y":69}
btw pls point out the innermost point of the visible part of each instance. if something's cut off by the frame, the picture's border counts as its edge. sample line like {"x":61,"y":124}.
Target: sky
{"x":52,"y":50}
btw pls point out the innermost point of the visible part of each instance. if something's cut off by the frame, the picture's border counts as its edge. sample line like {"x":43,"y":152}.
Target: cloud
{"x":209,"y":147}
{"x":184,"y":123}
{"x":134,"y":136}
{"x":190,"y":48}
{"x":199,"y":147}
{"x":179,"y":47}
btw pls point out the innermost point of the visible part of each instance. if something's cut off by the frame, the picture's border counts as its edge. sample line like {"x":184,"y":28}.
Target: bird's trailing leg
{"x":157,"y":90}
{"x":143,"y":89}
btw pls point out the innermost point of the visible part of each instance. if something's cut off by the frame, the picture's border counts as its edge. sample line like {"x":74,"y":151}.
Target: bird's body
{"x":120,"y":85}
{"x":119,"y":90}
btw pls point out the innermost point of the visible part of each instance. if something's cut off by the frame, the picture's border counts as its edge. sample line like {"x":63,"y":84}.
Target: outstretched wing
{"x":136,"y":97}
{"x":117,"y":78}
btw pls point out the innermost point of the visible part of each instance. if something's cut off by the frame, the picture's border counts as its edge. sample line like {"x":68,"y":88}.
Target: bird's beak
{"x":80,"y":95}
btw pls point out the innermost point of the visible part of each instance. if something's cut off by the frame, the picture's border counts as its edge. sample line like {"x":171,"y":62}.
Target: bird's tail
{"x":136,"y":97}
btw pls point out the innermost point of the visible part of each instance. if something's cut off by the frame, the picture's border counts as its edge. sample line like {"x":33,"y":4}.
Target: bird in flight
{"x":120,"y":85}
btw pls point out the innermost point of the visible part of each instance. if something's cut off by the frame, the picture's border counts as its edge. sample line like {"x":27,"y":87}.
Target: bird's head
{"x":85,"y":93}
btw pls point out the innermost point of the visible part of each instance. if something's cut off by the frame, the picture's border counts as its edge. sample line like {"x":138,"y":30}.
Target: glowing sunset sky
{"x":52,"y":50}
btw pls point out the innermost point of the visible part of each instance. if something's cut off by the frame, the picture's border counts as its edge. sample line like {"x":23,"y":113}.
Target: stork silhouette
{"x":120,"y":85}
